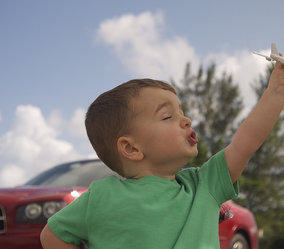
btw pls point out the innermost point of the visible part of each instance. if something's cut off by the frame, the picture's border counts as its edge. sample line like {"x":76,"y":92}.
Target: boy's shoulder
{"x":194,"y":173}
{"x":188,"y":175}
{"x":104,"y":182}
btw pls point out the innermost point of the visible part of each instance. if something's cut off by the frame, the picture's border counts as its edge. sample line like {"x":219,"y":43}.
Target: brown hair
{"x":108,"y":118}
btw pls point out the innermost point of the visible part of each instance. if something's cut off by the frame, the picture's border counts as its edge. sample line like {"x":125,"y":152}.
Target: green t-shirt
{"x":150,"y":212}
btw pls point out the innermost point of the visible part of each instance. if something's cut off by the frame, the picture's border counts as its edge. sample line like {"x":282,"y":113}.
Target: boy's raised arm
{"x":257,"y":126}
{"x":50,"y":241}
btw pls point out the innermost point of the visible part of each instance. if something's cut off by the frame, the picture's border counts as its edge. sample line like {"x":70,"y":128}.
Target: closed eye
{"x":169,"y":117}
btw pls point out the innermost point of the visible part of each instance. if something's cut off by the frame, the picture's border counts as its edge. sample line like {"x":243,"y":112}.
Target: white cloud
{"x":12,"y":175}
{"x":55,"y":120}
{"x":32,"y":145}
{"x":75,"y":127}
{"x":77,"y":124}
{"x":139,"y":44}
{"x":141,"y":48}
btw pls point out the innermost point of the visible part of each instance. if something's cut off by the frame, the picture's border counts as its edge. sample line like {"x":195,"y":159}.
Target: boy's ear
{"x":127,"y":148}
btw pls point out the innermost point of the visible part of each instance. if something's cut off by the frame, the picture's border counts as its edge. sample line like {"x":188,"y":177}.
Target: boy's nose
{"x":185,"y":122}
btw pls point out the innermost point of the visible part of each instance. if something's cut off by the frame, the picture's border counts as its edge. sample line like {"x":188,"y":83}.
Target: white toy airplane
{"x":274,"y":56}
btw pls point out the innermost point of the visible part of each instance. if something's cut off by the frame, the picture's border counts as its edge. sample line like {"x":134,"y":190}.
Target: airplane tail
{"x":274,"y":49}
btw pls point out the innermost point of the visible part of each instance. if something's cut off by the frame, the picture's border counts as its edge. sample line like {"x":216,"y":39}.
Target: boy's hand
{"x":257,"y":126}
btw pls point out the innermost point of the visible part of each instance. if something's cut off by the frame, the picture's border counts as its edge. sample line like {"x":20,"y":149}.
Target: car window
{"x":72,"y":174}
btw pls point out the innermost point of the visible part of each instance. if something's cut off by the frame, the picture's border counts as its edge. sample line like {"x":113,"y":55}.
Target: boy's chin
{"x":193,"y":153}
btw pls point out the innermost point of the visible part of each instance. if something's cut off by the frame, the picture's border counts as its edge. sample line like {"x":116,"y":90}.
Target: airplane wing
{"x":267,"y":57}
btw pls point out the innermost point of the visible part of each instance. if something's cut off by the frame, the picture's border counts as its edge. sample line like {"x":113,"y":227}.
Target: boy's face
{"x":160,"y":128}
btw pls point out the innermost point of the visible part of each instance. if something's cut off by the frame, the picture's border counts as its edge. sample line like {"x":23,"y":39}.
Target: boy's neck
{"x":139,"y":170}
{"x":141,"y":175}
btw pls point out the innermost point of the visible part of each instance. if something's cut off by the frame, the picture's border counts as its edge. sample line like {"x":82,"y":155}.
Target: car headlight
{"x":33,"y":211}
{"x":51,"y":207}
{"x":38,"y":212}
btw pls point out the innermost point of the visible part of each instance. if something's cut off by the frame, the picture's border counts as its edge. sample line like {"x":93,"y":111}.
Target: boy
{"x":139,"y":130}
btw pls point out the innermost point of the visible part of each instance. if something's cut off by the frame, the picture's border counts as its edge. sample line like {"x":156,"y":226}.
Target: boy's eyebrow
{"x":164,"y":104}
{"x":161,"y":106}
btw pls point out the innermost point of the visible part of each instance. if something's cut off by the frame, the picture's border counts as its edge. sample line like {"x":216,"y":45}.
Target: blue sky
{"x":57,"y":56}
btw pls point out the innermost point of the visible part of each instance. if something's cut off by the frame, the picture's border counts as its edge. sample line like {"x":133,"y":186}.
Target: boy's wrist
{"x":275,"y":95}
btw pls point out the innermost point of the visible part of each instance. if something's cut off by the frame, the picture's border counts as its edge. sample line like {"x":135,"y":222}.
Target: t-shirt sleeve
{"x":215,"y":173}
{"x":69,"y":223}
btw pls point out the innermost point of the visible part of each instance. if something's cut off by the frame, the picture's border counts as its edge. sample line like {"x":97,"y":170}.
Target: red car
{"x":24,"y":210}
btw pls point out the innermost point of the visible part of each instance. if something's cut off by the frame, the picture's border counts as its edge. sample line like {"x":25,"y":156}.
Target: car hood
{"x":26,"y":193}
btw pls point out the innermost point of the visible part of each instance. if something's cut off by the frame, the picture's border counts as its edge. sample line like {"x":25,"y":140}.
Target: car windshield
{"x":81,"y":173}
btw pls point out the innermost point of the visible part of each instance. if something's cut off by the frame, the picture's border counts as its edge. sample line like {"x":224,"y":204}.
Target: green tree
{"x":261,"y":184}
{"x":213,"y":103}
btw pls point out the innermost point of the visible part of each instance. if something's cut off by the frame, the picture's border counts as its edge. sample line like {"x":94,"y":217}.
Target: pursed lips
{"x":192,"y":137}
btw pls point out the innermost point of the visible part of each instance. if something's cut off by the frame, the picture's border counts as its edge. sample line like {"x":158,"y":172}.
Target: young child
{"x":139,"y":130}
